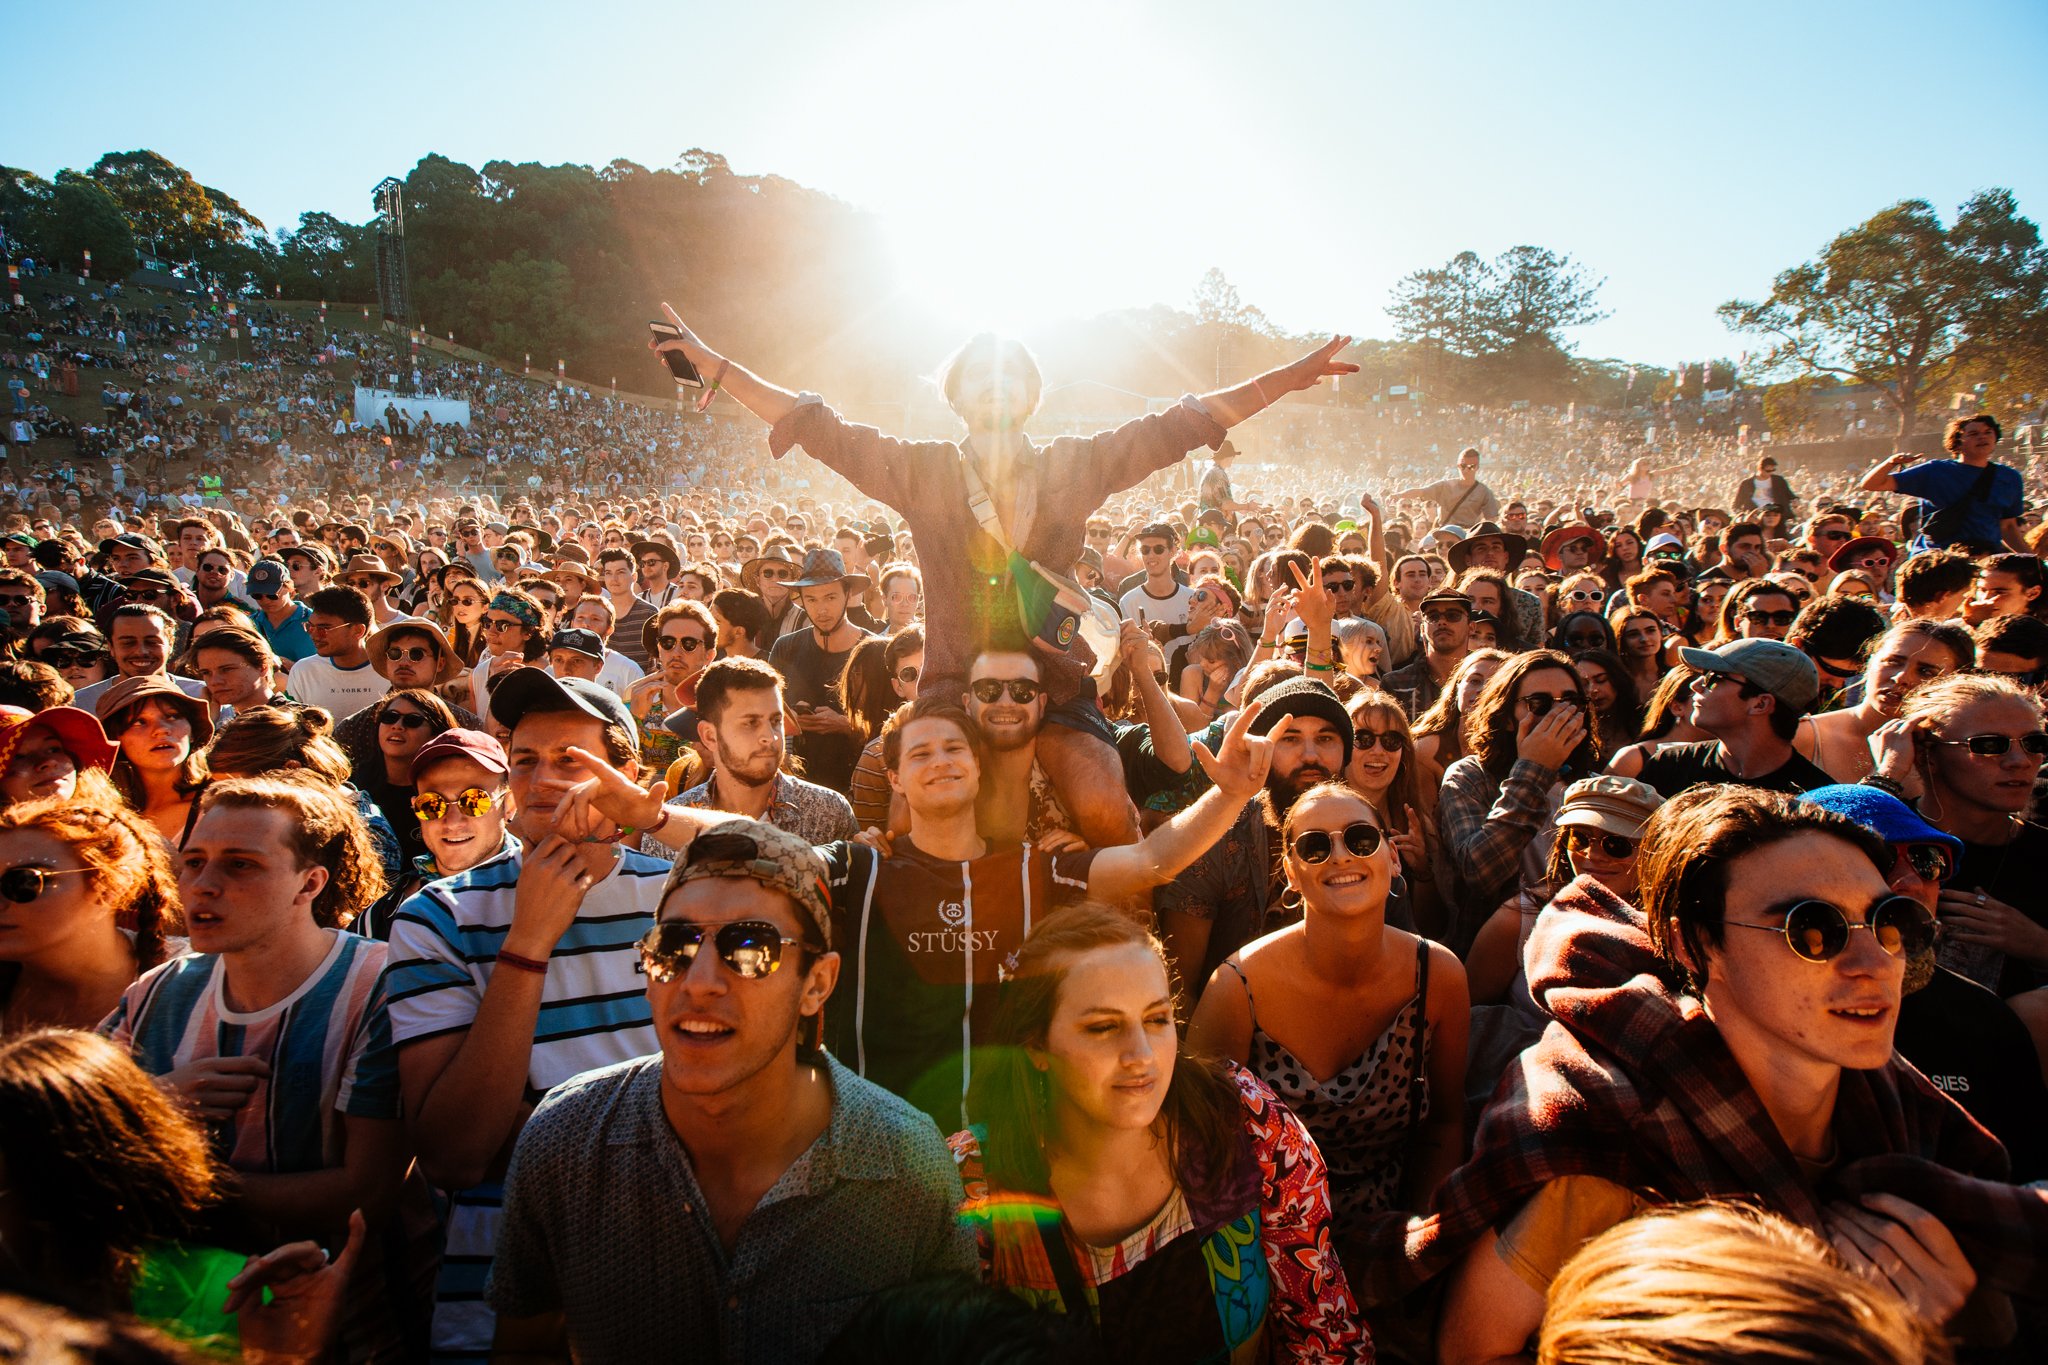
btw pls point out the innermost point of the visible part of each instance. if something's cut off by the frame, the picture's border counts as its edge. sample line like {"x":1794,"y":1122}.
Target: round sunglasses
{"x":689,"y":644}
{"x":414,"y":653}
{"x":23,"y":884}
{"x":1390,"y":740}
{"x":1361,"y":837}
{"x":1819,"y":930}
{"x":751,"y":948}
{"x":1582,"y":840}
{"x":471,"y":801}
{"x":1930,"y":862}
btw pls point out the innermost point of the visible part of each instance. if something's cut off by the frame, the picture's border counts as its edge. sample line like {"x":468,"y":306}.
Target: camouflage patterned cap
{"x":773,"y":857}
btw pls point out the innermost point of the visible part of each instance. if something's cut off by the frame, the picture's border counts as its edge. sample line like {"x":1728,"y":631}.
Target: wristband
{"x":1321,"y":668}
{"x":1261,"y":390}
{"x":1884,"y":784}
{"x":1269,"y":644}
{"x":524,"y":964}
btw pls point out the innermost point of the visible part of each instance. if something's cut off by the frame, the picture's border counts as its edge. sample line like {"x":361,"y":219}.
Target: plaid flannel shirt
{"x":1496,"y":837}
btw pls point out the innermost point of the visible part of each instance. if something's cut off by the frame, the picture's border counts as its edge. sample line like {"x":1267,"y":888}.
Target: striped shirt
{"x":593,"y":1013}
{"x":328,"y":1044}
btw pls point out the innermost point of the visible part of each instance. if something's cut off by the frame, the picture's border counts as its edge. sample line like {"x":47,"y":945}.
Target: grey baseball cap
{"x":1772,"y":665}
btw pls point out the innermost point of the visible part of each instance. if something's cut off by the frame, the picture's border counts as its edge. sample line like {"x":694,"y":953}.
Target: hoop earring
{"x":1290,"y":900}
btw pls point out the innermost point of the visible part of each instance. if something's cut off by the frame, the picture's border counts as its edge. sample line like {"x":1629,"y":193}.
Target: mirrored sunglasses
{"x":750,"y":948}
{"x":471,"y":801}
{"x":1819,"y":931}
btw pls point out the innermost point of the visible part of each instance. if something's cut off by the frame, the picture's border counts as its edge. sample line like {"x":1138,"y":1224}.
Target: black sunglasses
{"x":1770,"y":618}
{"x":689,"y":644}
{"x":1991,"y":746}
{"x":67,"y":658}
{"x":1930,"y":862}
{"x":990,"y":690}
{"x":1819,"y":931}
{"x":1387,"y":739}
{"x":24,"y":884}
{"x":1361,"y":837}
{"x":1613,"y":845}
{"x":752,"y":948}
{"x":391,"y":715}
{"x":1539,"y":703}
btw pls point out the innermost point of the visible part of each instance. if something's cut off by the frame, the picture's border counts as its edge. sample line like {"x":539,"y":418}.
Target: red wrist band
{"x":524,"y":964}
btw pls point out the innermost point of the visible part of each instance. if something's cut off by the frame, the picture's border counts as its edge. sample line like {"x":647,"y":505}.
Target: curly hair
{"x":325,"y":830}
{"x":266,"y":739}
{"x":124,"y":855}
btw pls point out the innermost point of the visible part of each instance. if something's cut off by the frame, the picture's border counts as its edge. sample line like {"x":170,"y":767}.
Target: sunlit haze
{"x":1065,"y":158}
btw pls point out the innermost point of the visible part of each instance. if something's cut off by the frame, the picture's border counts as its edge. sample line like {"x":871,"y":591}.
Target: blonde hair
{"x":1714,"y":1284}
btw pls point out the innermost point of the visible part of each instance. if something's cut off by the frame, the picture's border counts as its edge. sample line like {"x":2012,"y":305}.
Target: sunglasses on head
{"x":1770,"y":618}
{"x":1819,"y":931}
{"x":23,"y":884}
{"x":689,"y":644}
{"x":1992,"y":746}
{"x":751,"y":948}
{"x":1539,"y":703}
{"x":1361,"y":837}
{"x":990,"y":690}
{"x":1390,"y":740}
{"x":391,"y":715}
{"x":471,"y":801}
{"x":1583,"y":839}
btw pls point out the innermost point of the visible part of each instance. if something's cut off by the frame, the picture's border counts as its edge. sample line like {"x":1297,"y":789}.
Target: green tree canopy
{"x":1905,"y":304}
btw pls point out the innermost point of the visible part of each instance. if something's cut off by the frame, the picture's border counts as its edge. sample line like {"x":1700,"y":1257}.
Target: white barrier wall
{"x":370,"y":405}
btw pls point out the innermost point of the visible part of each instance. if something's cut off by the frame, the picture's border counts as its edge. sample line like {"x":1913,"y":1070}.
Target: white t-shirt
{"x":1172,"y":610}
{"x":317,"y":681}
{"x":619,"y":672}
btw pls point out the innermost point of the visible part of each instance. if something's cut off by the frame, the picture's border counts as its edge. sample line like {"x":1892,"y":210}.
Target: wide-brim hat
{"x":572,"y":568}
{"x":666,"y":551}
{"x":446,"y":663}
{"x":1460,"y":555}
{"x":78,"y":731}
{"x":129,"y":693}
{"x":1849,"y":551}
{"x":369,"y":566}
{"x":1565,"y":535}
{"x":823,"y":567}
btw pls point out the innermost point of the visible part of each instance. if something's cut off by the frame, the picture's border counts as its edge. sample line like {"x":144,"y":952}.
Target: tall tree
{"x":83,"y":217}
{"x":1904,"y":304}
{"x":163,"y":203}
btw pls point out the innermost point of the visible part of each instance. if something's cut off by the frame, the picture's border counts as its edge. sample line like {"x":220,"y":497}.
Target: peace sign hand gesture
{"x":1319,"y":364}
{"x":1312,"y":601}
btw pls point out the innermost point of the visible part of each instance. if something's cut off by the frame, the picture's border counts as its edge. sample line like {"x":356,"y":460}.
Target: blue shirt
{"x":1944,"y":483}
{"x":290,"y":641}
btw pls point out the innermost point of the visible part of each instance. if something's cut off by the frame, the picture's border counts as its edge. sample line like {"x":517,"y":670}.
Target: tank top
{"x":1361,"y":1117}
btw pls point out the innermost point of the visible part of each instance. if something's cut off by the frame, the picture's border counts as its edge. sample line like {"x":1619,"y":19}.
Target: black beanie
{"x":1303,"y":696}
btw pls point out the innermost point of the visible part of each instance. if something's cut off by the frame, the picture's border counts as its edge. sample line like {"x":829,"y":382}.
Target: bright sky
{"x":1071,"y":156}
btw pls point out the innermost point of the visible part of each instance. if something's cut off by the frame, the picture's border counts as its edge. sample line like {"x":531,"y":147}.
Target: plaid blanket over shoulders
{"x":1633,"y":1083}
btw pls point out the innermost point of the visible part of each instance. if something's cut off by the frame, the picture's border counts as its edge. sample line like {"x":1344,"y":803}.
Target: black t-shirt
{"x":1978,"y":1053}
{"x":925,"y":944}
{"x":2009,"y":872}
{"x":809,"y":675}
{"x":1680,"y":767}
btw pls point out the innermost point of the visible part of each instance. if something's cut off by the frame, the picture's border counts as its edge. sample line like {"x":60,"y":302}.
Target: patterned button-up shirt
{"x":606,"y":1224}
{"x":815,"y":814}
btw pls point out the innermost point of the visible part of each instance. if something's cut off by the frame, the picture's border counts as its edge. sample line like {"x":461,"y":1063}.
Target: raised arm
{"x":766,"y":401}
{"x":1237,"y":769}
{"x":1879,"y":477}
{"x":1247,"y":400}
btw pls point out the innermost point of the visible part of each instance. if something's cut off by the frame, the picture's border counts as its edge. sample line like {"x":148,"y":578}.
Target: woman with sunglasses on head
{"x":1770,"y":1078}
{"x":464,"y":600}
{"x":1358,"y":1027}
{"x":1108,"y":1168}
{"x":85,"y":907}
{"x":160,"y":732}
{"x":679,"y":638}
{"x":1968,"y":748}
{"x":516,"y":631}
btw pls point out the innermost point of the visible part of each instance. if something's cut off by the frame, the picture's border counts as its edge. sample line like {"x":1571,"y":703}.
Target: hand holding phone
{"x":679,"y":364}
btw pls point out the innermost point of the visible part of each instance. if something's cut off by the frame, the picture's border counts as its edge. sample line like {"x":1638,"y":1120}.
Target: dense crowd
{"x":1558,"y":897}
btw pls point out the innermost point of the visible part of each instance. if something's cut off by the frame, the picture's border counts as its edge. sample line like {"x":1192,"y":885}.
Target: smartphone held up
{"x":678,"y":363}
